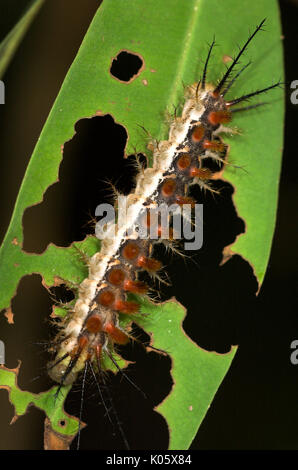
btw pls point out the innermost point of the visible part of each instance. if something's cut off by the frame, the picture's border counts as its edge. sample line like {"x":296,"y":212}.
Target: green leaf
{"x":196,"y":373}
{"x":46,"y":401}
{"x":11,"y":42}
{"x":172,"y":41}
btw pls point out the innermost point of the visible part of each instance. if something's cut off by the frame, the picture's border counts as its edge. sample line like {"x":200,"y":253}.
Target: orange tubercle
{"x":183,"y":162}
{"x":117,"y":335}
{"x":203,"y":173}
{"x":137,"y":287}
{"x":93,"y":324}
{"x":168,"y":188}
{"x":214,"y":145}
{"x":130,"y":251}
{"x":127,"y":307}
{"x":150,"y":264}
{"x":105,"y":298}
{"x":197,"y":133}
{"x":219,"y":117}
{"x":116,"y":277}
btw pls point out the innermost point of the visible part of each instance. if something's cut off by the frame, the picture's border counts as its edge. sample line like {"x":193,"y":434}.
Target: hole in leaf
{"x":92,"y":160}
{"x":212,"y":294}
{"x":62,"y":294}
{"x":28,"y":338}
{"x":126,"y":66}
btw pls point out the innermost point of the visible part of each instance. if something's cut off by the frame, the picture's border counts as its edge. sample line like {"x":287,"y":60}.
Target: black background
{"x":256,"y":405}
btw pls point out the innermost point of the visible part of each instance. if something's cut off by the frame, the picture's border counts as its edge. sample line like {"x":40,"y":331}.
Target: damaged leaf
{"x":169,"y":60}
{"x":195,"y":381}
{"x":61,"y":422}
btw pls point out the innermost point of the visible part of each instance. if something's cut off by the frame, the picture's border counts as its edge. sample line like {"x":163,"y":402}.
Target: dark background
{"x":256,"y":405}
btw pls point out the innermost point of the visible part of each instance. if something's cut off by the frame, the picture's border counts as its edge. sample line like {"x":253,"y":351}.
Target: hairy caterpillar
{"x":91,"y":329}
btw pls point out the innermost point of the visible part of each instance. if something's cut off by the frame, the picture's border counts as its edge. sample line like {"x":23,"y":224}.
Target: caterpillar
{"x":193,"y":153}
